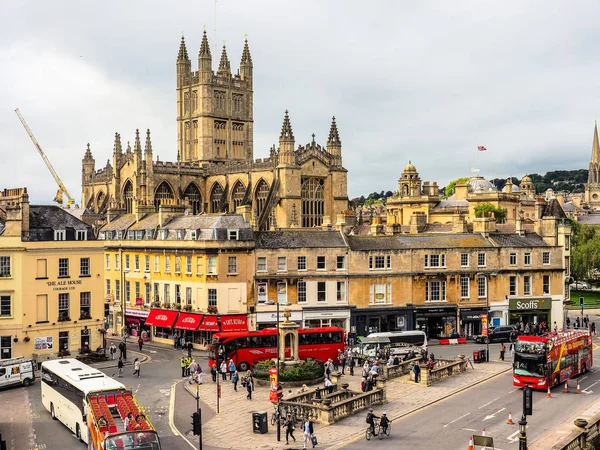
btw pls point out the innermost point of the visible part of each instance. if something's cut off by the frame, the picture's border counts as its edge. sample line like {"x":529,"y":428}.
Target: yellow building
{"x":51,"y":279}
{"x":178,"y":266}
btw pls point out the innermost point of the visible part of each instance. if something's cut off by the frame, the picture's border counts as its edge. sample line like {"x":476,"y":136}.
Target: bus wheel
{"x":78,"y":433}
{"x":583,"y":368}
{"x":52,"y":413}
{"x":243,"y":366}
{"x":556,"y":380}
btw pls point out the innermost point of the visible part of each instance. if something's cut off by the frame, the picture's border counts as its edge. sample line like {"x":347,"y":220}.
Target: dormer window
{"x":119,"y":234}
{"x":193,"y":235}
{"x":180,"y":235}
{"x":164,"y":234}
{"x":148,"y":234}
{"x":60,"y":235}
{"x":131,"y":235}
{"x":233,"y":235}
{"x":81,"y":235}
{"x":139,"y":235}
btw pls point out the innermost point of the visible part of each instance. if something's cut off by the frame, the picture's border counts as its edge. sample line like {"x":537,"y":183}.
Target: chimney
{"x":459,"y":224}
{"x":376,"y":227}
{"x":461,"y":190}
{"x":484,"y":225}
{"x":417,"y":222}
{"x":519,"y":226}
{"x":16,"y":204}
{"x":434,"y":189}
{"x":547,"y":228}
{"x":340,"y":222}
{"x":561,"y":199}
{"x":167,"y":210}
{"x":509,"y":186}
{"x":326,"y":224}
{"x":245,"y":211}
{"x":540,"y":203}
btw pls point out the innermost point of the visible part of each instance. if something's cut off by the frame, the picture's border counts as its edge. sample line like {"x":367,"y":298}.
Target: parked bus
{"x":548,"y":360}
{"x":400,"y":342}
{"x":93,"y":406}
{"x":249,"y":347}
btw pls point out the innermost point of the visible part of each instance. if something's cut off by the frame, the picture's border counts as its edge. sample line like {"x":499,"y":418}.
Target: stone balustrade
{"x":444,"y":368}
{"x":400,"y":369}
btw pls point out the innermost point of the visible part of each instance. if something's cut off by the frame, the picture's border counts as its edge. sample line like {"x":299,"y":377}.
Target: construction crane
{"x":61,"y":187}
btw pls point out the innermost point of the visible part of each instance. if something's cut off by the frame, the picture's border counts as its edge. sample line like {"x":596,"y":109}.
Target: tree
{"x":585,"y":250}
{"x":499,"y":213}
{"x":452,"y":185}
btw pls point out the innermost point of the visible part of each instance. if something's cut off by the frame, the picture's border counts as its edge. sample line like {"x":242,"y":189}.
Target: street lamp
{"x":523,"y":433}
{"x":278,"y":399}
{"x":124,"y":304}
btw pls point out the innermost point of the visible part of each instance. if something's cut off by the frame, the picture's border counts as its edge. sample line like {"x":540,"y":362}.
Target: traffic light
{"x":196,"y":423}
{"x":581,"y":302}
{"x":528,"y":401}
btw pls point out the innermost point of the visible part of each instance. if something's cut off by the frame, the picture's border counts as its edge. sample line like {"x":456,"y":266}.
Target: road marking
{"x":513,"y":437}
{"x":470,"y":429}
{"x":152,"y":351}
{"x":491,"y":416}
{"x":172,"y":410}
{"x":483,"y":406}
{"x":456,"y":420}
{"x":514,"y":390}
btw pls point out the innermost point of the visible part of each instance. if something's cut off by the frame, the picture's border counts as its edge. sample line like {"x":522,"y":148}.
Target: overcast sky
{"x":427,"y":81}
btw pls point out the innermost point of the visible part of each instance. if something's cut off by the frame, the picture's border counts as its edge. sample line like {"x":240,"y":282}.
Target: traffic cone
{"x":549,"y":395}
{"x":483,"y":432}
{"x":471,"y":446}
{"x":566,"y":387}
{"x":510,"y":421}
{"x":578,"y":387}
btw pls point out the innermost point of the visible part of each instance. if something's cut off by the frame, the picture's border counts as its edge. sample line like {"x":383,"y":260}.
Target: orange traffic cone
{"x":549,"y":395}
{"x":578,"y":387}
{"x":471,"y":446}
{"x":510,"y":421}
{"x":566,"y":387}
{"x":483,"y":432}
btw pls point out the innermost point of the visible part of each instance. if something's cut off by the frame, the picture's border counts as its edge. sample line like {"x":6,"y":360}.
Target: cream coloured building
{"x":51,"y":279}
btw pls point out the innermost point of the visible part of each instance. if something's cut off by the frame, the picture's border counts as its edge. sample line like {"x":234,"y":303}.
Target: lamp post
{"x":523,"y":433}
{"x":124,"y":303}
{"x":278,"y":362}
{"x":487,"y":311}
{"x":218,"y":367}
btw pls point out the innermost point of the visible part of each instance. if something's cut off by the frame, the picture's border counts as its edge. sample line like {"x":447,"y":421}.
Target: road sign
{"x":279,"y":391}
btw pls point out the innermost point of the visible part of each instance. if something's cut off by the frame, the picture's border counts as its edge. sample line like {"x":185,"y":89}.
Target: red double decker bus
{"x":248,"y":347}
{"x":548,"y":360}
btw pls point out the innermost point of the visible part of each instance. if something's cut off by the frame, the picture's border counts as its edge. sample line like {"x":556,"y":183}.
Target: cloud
{"x":428,"y":81}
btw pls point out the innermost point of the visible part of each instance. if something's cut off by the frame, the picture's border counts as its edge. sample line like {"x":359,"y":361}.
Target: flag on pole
{"x":474,"y":170}
{"x":481,"y":148}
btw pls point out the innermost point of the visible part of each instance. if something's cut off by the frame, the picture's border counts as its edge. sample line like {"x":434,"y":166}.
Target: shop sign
{"x":43,"y":343}
{"x":484,"y":325}
{"x":139,"y":301}
{"x":534,"y":303}
{"x":64,"y":285}
{"x":380,"y":296}
{"x":400,"y":322}
{"x":137,"y":313}
{"x":435,"y":311}
{"x":271,"y":317}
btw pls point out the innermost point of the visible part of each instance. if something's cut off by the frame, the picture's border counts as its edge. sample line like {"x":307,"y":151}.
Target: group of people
{"x":583,"y":323}
{"x":181,"y":344}
{"x":308,"y":431}
{"x":384,"y":422}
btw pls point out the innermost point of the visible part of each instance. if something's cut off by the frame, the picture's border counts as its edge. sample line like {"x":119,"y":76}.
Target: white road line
{"x":174,"y":429}
{"x":512,"y":437}
{"x":456,"y":420}
{"x":470,"y":429}
{"x":488,"y":403}
{"x":493,"y":416}
{"x":591,"y":385}
{"x":514,"y":390}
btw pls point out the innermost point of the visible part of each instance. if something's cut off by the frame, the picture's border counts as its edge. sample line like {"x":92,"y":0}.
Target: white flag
{"x":474,"y":170}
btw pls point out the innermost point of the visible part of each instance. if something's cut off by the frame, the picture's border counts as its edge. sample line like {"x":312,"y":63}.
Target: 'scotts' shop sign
{"x":529,"y":304}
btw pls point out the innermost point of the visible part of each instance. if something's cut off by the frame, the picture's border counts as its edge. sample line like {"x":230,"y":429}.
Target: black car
{"x":503,"y":333}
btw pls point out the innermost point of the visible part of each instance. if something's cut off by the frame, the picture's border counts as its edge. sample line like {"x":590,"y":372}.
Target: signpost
{"x":527,"y":411}
{"x":581,"y":302}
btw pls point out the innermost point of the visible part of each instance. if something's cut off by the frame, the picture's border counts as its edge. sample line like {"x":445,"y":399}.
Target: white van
{"x":399,"y":341}
{"x":16,"y":371}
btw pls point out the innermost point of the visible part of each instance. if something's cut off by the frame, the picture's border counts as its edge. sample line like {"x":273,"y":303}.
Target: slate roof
{"x":148,"y":222}
{"x":206,"y":221}
{"x":120,"y":223}
{"x":299,"y":239}
{"x":569,"y":207}
{"x":368,"y":243}
{"x":45,"y":219}
{"x":553,"y":209}
{"x":516,"y":240}
{"x":450,"y":203}
{"x":589,"y":219}
{"x":78,"y":212}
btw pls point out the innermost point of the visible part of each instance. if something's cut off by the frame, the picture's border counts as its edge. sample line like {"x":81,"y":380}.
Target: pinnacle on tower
{"x":286,"y":130}
{"x":88,"y":152}
{"x":148,"y":146}
{"x":246,"y":58}
{"x":137,"y":146}
{"x":128,"y":147}
{"x":117,"y":149}
{"x":224,"y":65}
{"x":595,"y":146}
{"x":183,"y":54}
{"x":204,"y":47}
{"x":334,"y":137}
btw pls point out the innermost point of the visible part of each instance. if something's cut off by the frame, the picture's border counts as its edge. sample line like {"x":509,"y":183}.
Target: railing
{"x":399,"y":370}
{"x":445,"y":368}
{"x":582,"y":438}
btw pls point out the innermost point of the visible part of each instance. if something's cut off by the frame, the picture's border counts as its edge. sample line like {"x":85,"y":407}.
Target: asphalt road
{"x":449,"y":423}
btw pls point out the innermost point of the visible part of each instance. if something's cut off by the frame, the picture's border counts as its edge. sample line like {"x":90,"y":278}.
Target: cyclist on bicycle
{"x":384,"y":422}
{"x":371,"y":420}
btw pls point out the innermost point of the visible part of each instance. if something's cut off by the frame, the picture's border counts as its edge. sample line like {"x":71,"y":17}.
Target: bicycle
{"x":379,"y":431}
{"x":276,"y":415}
{"x":369,"y":434}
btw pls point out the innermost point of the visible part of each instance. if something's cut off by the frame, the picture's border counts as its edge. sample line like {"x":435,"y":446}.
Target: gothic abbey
{"x":215,"y":170}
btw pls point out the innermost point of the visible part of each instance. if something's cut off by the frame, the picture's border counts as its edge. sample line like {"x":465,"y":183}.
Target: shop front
{"x":268,"y":319}
{"x":186,"y":326}
{"x":135,"y":320}
{"x":437,"y":321}
{"x":530,"y":311}
{"x":365,"y":321}
{"x":208,"y":327}
{"x":162,"y":321}
{"x":470,"y":321}
{"x":316,"y":317}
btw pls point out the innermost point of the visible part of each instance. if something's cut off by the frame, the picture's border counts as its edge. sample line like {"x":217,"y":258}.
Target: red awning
{"x":187,"y":321}
{"x":234,"y":323}
{"x":161,"y":318}
{"x":209,"y":324}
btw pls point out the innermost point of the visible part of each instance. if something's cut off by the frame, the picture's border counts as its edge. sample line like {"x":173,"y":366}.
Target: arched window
{"x":262,"y":192}
{"x":237,"y":194}
{"x":162,"y":193}
{"x":194,"y":198}
{"x":100,"y":200}
{"x":215,"y":197}
{"x":313,"y":204}
{"x":128,"y":196}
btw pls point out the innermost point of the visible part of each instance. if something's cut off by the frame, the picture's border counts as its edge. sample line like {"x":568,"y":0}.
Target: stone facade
{"x":215,"y":170}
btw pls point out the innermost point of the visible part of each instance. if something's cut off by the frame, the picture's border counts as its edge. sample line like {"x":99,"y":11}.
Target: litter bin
{"x":259,"y":422}
{"x":476,"y":357}
{"x":483,"y":355}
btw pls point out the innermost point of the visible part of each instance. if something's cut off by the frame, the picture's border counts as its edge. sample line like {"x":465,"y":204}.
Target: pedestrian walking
{"x":417,"y":371}
{"x":140,"y":343}
{"x":190,"y":346}
{"x":123,"y":349}
{"x":594,"y":328}
{"x":365,"y":369}
{"x":120,"y":367}
{"x":183,"y":364}
{"x":224,"y":371}
{"x":193,"y":367}
{"x":343,"y":362}
{"x":112,"y":350}
{"x":235,"y":378}
{"x":502,"y":350}
{"x":568,"y":322}
{"x":199,"y":374}
{"x":249,"y":388}
{"x":352,"y":364}
{"x":213,"y":372}
{"x":289,"y":429}
{"x":328,"y":386}
{"x":555,"y":327}
{"x":188,"y":362}
{"x":308,"y":428}
{"x":175,"y":341}
{"x":136,"y":367}
{"x":231,"y":368}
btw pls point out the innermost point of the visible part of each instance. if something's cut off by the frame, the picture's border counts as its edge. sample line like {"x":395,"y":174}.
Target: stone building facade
{"x":215,"y":169}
